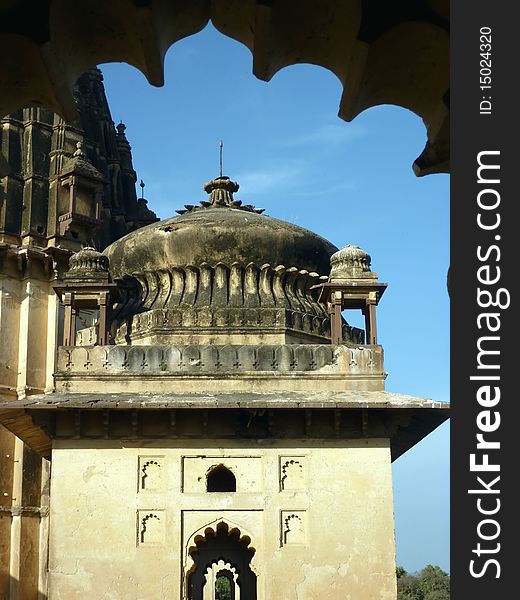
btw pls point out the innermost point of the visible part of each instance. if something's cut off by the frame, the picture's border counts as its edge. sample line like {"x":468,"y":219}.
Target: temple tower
{"x":68,"y":185}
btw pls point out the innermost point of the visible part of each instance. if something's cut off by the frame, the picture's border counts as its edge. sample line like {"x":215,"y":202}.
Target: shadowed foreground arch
{"x":227,"y":545}
{"x":382,"y":52}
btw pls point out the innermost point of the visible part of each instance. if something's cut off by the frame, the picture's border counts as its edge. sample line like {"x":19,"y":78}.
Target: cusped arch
{"x":292,"y":32}
{"x":213,"y":525}
{"x":227,"y":572}
{"x":407,"y":66}
{"x":200,"y":554}
{"x":71,"y":37}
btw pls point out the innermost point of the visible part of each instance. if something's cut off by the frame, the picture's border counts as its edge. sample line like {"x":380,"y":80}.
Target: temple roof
{"x":221,"y":270}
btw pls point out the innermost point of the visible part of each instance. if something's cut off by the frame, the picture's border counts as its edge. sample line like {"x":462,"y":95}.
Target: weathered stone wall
{"x":10,"y":291}
{"x":124,"y":516}
{"x":24,"y":495}
{"x":28,"y":323}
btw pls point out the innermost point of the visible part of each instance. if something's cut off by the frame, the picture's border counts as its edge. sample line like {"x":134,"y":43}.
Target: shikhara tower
{"x":220,"y":426}
{"x":56,"y":197}
{"x":69,"y":185}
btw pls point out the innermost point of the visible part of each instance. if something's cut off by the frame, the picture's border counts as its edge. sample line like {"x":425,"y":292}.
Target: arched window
{"x":221,"y":479}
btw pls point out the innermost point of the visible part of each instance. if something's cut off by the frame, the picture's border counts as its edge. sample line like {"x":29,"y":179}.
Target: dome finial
{"x":221,"y":145}
{"x":221,"y":191}
{"x":121,"y":128}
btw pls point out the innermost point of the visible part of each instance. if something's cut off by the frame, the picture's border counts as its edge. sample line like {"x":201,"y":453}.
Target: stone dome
{"x":349,"y":263}
{"x":87,"y":266}
{"x":219,"y":231}
{"x":88,"y":260}
{"x":221,"y":272}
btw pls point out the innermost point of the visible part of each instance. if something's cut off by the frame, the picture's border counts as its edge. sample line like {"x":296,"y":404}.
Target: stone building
{"x":193,"y":396}
{"x":56,"y":198}
{"x":217,"y":429}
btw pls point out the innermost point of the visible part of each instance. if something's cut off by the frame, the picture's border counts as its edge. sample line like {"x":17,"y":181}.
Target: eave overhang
{"x":406,"y":420}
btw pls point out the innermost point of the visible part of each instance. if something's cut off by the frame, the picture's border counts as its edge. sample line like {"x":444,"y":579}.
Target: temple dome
{"x":221,"y":272}
{"x":219,"y":231}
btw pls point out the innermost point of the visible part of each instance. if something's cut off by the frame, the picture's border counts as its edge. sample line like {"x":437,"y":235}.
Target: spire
{"x":104,"y":157}
{"x":121,"y":128}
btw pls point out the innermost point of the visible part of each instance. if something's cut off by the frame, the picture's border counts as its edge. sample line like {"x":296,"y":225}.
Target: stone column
{"x":16,"y":521}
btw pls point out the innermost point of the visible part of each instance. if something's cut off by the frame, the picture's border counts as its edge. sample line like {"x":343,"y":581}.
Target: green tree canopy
{"x":223,"y":588}
{"x":432,"y":583}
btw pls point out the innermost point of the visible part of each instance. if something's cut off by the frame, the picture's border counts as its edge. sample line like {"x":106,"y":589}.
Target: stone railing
{"x":269,"y":364}
{"x":217,"y":359}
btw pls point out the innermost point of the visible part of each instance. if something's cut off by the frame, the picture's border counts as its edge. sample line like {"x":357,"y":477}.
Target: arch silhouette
{"x":396,"y":55}
{"x":226,"y":544}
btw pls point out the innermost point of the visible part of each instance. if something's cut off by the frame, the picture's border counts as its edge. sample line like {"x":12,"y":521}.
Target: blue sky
{"x":349,"y":182}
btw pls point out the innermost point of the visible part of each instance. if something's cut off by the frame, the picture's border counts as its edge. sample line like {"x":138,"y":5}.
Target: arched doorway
{"x":222,"y":569}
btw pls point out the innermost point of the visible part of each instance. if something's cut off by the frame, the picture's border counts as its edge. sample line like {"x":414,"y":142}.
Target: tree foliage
{"x":223,"y":588}
{"x":432,"y":583}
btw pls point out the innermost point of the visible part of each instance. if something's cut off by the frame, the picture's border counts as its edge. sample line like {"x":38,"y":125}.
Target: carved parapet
{"x":202,"y":368}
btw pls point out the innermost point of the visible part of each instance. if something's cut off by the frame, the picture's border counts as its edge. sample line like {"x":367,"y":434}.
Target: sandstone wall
{"x":126,"y":517}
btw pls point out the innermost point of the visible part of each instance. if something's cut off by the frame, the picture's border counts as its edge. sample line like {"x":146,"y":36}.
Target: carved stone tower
{"x":221,"y":444}
{"x":39,"y":146}
{"x":68,"y":185}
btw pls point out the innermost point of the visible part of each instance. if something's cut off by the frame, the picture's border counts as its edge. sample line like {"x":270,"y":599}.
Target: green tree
{"x":223,"y":588}
{"x":432,"y":583}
